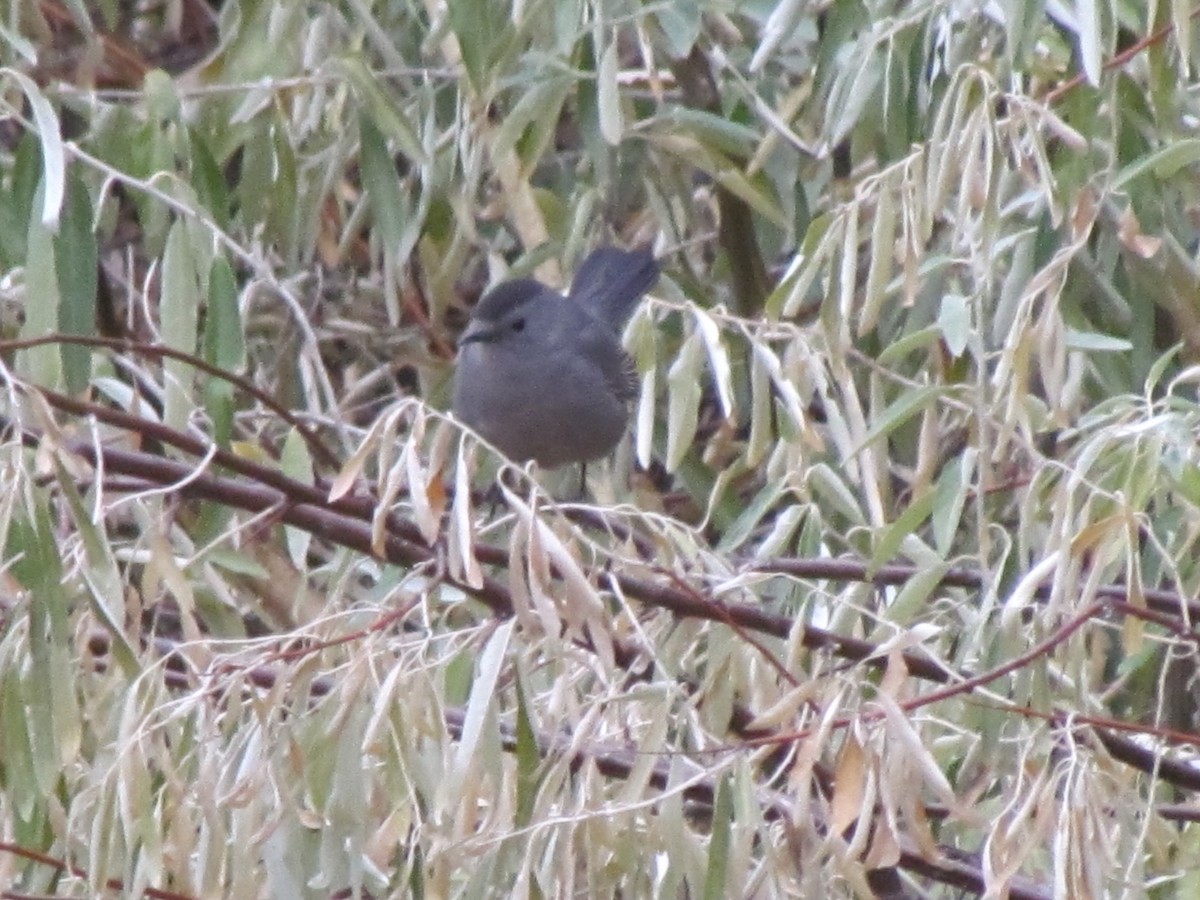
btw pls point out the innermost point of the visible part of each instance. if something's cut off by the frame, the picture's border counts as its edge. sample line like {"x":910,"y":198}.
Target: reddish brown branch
{"x":1170,"y":603}
{"x":316,"y":446}
{"x":1117,"y":61}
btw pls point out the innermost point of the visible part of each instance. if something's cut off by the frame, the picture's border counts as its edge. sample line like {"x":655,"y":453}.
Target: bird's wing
{"x":610,"y":282}
{"x":596,"y":342}
{"x":628,"y":382}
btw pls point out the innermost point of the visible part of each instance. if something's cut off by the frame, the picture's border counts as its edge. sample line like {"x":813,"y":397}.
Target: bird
{"x":544,"y":377}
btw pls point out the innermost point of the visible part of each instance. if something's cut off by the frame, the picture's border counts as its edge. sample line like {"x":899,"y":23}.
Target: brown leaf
{"x":849,"y":785}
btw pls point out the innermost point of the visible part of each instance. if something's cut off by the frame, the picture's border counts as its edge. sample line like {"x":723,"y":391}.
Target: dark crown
{"x":504,"y":298}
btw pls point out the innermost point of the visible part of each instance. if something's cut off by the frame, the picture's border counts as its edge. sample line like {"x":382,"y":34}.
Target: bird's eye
{"x":518,"y":325}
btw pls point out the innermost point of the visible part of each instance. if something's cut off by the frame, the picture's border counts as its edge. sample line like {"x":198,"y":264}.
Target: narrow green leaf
{"x":954,"y":321}
{"x":1099,"y":343}
{"x":224,"y":343}
{"x":856,"y":86}
{"x":256,"y":188}
{"x":43,"y":365}
{"x":75,"y":257}
{"x":1091,"y":52}
{"x":820,"y":239}
{"x":778,"y":27}
{"x":532,"y":120}
{"x":587,"y":102}
{"x":296,"y":463}
{"x":641,"y":338}
{"x":879,"y":271}
{"x":829,"y":486}
{"x":16,"y":204}
{"x":38,"y":567}
{"x":382,"y":183}
{"x":224,"y":346}
{"x":847,"y":273}
{"x":479,"y":27}
{"x":749,"y":518}
{"x":683,"y":399}
{"x":1161,"y":365}
{"x":912,"y":599}
{"x":761,"y":431}
{"x":22,"y":794}
{"x":731,"y":138}
{"x":718,"y":359}
{"x":100,"y":573}
{"x":528,"y":759}
{"x":179,"y":315}
{"x":780,"y":540}
{"x":1161,"y":164}
{"x":1182,"y":12}
{"x":950,"y":496}
{"x":900,"y":348}
{"x":905,"y":407}
{"x":483,"y":697}
{"x":381,"y":109}
{"x":152,"y":152}
{"x":236,"y":562}
{"x":161,"y":96}
{"x":680,"y":22}
{"x":54,"y":160}
{"x":25,"y":48}
{"x":289,"y":218}
{"x":716,"y":878}
{"x":888,"y":542}
{"x":789,"y":405}
{"x":207,"y":178}
{"x":756,"y":191}
{"x":1022,"y":21}
{"x":609,"y":93}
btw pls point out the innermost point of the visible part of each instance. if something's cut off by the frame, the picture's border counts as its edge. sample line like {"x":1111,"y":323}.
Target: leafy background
{"x":890,"y":593}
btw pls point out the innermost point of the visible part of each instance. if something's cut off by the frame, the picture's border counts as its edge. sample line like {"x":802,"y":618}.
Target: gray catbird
{"x":544,"y":377}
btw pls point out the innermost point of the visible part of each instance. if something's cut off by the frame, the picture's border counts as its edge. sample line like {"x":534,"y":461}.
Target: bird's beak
{"x":477,"y":332}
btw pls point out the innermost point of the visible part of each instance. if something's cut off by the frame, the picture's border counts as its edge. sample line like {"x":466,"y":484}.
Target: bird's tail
{"x":611,"y":281}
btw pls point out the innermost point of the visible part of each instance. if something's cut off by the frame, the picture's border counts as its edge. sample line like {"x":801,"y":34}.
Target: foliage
{"x":890,"y":590}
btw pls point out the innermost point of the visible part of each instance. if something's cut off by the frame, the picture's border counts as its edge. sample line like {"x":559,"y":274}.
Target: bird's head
{"x":510,"y":312}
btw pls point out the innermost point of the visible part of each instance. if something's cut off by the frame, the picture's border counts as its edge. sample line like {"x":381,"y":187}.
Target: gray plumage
{"x":544,"y":377}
